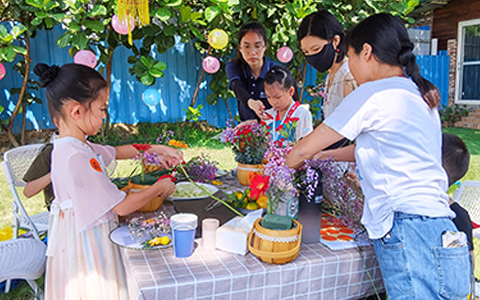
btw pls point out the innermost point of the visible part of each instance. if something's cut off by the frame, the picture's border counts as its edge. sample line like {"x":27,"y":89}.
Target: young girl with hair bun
{"x":395,"y":122}
{"x":82,"y":262}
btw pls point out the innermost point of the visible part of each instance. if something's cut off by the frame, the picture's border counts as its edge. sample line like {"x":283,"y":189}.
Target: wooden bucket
{"x":275,"y":246}
{"x":244,"y":170}
{"x":153,"y":205}
{"x":148,"y":168}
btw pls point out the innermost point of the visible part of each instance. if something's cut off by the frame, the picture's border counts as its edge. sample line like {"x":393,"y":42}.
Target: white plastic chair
{"x":23,"y":259}
{"x":15,"y":164}
{"x":468,"y":196}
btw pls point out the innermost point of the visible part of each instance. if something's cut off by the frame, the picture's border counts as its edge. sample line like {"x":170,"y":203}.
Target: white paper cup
{"x":209,"y":233}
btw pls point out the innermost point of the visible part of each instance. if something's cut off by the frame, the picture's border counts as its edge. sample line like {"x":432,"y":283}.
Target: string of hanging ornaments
{"x":136,"y":9}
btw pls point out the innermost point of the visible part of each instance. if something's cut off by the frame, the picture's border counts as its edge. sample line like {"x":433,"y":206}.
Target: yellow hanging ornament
{"x":138,"y":9}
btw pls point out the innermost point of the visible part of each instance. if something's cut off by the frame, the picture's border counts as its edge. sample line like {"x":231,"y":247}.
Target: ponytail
{"x":428,"y":90}
{"x":391,"y":45}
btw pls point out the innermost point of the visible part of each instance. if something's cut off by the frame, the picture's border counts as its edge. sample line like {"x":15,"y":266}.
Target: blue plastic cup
{"x":183,"y":228}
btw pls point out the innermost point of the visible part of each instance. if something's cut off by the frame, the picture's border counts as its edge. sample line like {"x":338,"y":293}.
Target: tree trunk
{"x":229,"y":111}
{"x":197,"y":88}
{"x":109,"y":82}
{"x":22,"y":93}
{"x":24,"y":122}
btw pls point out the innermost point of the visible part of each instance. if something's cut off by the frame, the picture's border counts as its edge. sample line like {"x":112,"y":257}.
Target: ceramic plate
{"x":121,"y":236}
{"x":211,"y":188}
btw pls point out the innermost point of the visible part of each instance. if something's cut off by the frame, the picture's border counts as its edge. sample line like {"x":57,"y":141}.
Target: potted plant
{"x":249,"y":144}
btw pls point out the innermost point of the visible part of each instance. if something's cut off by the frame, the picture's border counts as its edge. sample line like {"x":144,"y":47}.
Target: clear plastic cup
{"x":209,"y":233}
{"x":183,"y":233}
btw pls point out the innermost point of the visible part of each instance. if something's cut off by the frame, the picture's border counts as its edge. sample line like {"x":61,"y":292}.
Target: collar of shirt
{"x":266,"y":66}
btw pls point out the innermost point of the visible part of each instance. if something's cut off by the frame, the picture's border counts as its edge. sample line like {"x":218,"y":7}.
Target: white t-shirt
{"x":398,"y":151}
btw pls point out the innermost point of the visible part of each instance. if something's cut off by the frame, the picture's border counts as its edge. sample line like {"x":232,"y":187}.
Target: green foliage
{"x":193,"y":114}
{"x":451,"y":114}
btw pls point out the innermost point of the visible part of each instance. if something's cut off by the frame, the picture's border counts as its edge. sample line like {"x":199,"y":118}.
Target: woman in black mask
{"x":321,"y":39}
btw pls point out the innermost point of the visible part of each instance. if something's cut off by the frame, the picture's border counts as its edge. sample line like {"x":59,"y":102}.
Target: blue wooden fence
{"x":176,"y":87}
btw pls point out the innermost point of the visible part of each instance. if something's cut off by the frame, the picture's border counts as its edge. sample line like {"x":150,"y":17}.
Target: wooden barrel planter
{"x":153,"y":205}
{"x":275,"y":246}
{"x":243,"y":172}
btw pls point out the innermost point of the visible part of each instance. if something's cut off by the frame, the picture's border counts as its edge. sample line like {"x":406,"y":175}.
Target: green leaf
{"x":48,"y":22}
{"x":80,"y":40}
{"x":1,"y":109}
{"x":64,"y":40}
{"x":96,"y":26}
{"x":18,"y":30}
{"x":211,"y":12}
{"x":212,"y":99}
{"x":170,"y":30}
{"x":160,"y":65}
{"x":155,"y":72}
{"x":98,"y":10}
{"x":147,"y":79}
{"x":20,"y":50}
{"x":49,"y":5}
{"x":185,"y":12}
{"x":146,"y":61}
{"x":173,"y":2}
{"x":9,"y":54}
{"x":4,"y":35}
{"x":163,"y":14}
{"x":36,"y":21}
{"x":35,"y":3}
{"x":195,"y":16}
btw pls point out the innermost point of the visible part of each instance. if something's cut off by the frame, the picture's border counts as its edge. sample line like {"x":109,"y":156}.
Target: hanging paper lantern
{"x":137,"y":9}
{"x":85,"y":57}
{"x":122,"y":27}
{"x":151,"y":97}
{"x":284,"y":54}
{"x":218,"y":39}
{"x":211,"y":64}
{"x":2,"y":71}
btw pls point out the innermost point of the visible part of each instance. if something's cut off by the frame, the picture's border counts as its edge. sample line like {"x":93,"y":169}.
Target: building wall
{"x":445,"y":20}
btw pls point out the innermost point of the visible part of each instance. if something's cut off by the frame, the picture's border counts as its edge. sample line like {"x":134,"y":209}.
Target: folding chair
{"x":23,"y":259}
{"x":15,"y":164}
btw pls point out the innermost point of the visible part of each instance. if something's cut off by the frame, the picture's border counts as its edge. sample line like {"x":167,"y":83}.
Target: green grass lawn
{"x":225,"y":158}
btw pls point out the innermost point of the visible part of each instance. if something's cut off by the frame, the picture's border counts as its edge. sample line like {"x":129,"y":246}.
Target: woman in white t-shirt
{"x":396,"y":125}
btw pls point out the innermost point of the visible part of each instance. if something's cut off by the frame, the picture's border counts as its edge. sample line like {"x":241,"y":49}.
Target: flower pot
{"x":275,"y":246}
{"x":148,"y":168}
{"x":153,"y":205}
{"x":310,"y":214}
{"x":244,"y":170}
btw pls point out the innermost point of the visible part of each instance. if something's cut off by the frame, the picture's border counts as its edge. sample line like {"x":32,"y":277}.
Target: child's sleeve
{"x":93,"y":194}
{"x":304,"y":124}
{"x":40,"y":166}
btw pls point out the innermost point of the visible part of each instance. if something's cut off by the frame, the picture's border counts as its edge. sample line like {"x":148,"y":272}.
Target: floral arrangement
{"x":150,"y":232}
{"x":316,"y":94}
{"x":249,"y":142}
{"x":201,"y":168}
{"x":144,"y":158}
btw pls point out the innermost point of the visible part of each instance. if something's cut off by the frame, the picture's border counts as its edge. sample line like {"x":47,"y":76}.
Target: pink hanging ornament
{"x":285,"y":54}
{"x":211,"y":64}
{"x":121,"y":27}
{"x":2,"y":71}
{"x":85,"y":57}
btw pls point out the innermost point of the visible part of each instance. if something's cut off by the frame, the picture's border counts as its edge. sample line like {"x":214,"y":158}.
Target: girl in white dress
{"x":82,"y":262}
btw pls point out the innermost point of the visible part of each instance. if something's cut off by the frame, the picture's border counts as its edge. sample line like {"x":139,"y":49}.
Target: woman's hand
{"x":169,"y":155}
{"x":166,"y":187}
{"x":245,"y":123}
{"x":258,"y":107}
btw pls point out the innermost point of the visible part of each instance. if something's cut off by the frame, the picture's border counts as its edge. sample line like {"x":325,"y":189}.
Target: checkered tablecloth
{"x":317,"y":273}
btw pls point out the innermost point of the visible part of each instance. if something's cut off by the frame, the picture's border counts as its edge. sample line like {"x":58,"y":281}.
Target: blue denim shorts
{"x":414,"y":264}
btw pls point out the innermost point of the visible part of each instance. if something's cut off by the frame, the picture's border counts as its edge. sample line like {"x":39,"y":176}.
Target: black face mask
{"x":323,"y":60}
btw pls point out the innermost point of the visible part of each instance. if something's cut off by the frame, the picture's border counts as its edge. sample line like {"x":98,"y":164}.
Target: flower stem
{"x":208,"y":192}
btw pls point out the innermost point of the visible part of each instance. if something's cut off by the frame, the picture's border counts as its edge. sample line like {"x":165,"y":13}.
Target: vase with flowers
{"x":249,"y":144}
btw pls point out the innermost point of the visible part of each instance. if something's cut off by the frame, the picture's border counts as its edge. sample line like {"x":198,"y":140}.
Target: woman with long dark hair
{"x":395,"y":122}
{"x":247,"y":71}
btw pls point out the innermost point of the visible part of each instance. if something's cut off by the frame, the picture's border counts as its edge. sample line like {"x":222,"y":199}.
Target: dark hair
{"x":69,"y":82}
{"x":391,"y":45}
{"x":455,"y":157}
{"x":324,"y":25}
{"x":246,"y":28}
{"x":282,"y":75}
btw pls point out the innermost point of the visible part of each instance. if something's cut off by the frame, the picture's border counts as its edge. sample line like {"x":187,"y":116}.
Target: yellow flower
{"x":217,"y":182}
{"x":164,"y":240}
{"x":155,"y":242}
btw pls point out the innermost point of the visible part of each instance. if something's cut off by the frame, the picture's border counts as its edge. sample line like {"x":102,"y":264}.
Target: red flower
{"x":259,"y":185}
{"x":142,"y":147}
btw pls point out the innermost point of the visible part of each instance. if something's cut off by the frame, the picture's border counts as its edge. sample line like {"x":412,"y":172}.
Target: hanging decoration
{"x":211,"y":64}
{"x":122,"y":27}
{"x":85,"y":57}
{"x":137,"y":9}
{"x":218,"y":39}
{"x":284,"y":54}
{"x":151,"y":97}
{"x":2,"y":71}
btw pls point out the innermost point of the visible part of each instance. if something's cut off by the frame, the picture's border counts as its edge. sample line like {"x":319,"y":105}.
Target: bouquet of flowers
{"x":200,"y":169}
{"x":150,"y":232}
{"x":249,"y":143}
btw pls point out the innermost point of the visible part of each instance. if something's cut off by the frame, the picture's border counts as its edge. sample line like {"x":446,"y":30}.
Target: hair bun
{"x":46,"y":73}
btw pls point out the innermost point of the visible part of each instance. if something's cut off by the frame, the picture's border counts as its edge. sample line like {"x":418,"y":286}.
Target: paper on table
{"x":247,"y":221}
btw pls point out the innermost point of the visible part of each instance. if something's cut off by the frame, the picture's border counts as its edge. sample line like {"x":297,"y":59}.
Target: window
{"x":467,"y":87}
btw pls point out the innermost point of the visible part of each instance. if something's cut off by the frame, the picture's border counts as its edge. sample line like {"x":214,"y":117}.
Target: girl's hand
{"x":165,"y":187}
{"x":172,"y":156}
{"x":258,"y":107}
